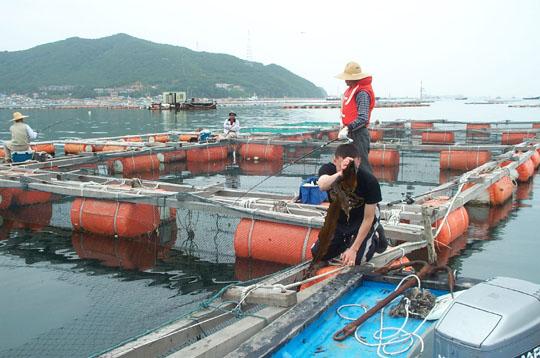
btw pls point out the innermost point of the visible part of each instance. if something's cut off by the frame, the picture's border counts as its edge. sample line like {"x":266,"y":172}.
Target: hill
{"x":80,"y":66}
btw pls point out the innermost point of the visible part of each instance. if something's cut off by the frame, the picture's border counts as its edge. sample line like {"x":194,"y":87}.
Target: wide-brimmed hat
{"x":17,"y":116}
{"x":232,"y":114}
{"x":352,"y":71}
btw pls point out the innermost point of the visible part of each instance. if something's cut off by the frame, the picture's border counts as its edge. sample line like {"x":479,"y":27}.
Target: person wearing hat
{"x":356,"y":106}
{"x":231,"y":126}
{"x":21,"y":135}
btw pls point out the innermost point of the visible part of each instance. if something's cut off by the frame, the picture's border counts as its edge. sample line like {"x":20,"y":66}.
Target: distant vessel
{"x":531,"y":97}
{"x":461,"y":98}
{"x":177,"y":101}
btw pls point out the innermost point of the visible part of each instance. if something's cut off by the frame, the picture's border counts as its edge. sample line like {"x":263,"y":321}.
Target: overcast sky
{"x":474,"y":48}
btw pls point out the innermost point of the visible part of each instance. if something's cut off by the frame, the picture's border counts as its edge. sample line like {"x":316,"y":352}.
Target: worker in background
{"x":21,"y":135}
{"x":358,"y":237}
{"x":231,"y":126}
{"x":356,"y":106}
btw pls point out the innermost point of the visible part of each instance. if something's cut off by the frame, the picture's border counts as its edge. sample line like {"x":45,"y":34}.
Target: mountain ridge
{"x":79,"y":66}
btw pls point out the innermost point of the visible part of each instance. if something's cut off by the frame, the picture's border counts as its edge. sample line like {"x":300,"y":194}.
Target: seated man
{"x":231,"y":126}
{"x":358,"y":238}
{"x":21,"y":134}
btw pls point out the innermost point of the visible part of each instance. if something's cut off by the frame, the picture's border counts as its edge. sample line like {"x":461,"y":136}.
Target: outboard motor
{"x":496,"y":318}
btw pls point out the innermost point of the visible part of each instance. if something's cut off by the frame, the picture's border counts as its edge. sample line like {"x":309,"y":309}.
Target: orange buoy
{"x":525,"y":171}
{"x":536,"y":159}
{"x":213,"y":167}
{"x":6,"y":197}
{"x":501,"y":191}
{"x":261,"y":151}
{"x":509,"y":138}
{"x":421,"y":125}
{"x":441,"y":137}
{"x":188,"y":138}
{"x":44,"y":147}
{"x":114,"y":218}
{"x":74,"y":148}
{"x":275,"y":242}
{"x":162,"y":138}
{"x":463,"y":159}
{"x":536,"y":125}
{"x":456,"y":223}
{"x":250,"y":167}
{"x":383,"y":157}
{"x":248,"y":269}
{"x":133,"y":139}
{"x":174,"y":156}
{"x":29,"y":197}
{"x":136,"y":164}
{"x":321,"y":271}
{"x":376,"y":135}
{"x":386,"y":174}
{"x":207,"y":154}
{"x":113,"y":148}
{"x":474,"y":126}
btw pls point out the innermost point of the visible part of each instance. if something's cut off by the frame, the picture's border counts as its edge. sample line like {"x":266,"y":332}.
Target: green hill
{"x":79,"y":66}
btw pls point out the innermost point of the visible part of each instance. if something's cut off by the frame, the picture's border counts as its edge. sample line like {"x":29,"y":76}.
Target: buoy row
{"x":497,"y":194}
{"x":17,"y":197}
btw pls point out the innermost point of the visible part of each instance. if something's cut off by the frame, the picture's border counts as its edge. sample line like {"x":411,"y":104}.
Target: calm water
{"x":74,"y":295}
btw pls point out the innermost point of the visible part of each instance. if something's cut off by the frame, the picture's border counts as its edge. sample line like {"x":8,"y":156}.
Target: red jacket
{"x":349,"y":107}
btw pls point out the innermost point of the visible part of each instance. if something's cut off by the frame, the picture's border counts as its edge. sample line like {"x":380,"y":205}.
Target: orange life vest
{"x":349,"y":107}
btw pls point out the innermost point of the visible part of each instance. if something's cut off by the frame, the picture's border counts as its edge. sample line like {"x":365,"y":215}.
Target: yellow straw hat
{"x":17,"y":116}
{"x":352,"y":71}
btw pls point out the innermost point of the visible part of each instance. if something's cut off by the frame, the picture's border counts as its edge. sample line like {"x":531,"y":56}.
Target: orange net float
{"x":113,"y":148}
{"x":501,"y":191}
{"x":174,"y":156}
{"x":214,"y":167}
{"x":161,"y":138}
{"x":207,"y":154}
{"x":321,"y":271}
{"x":386,"y":174}
{"x":114,"y":218}
{"x":6,"y":197}
{"x":463,"y":159}
{"x":133,"y":139}
{"x":75,"y":148}
{"x":29,"y":197}
{"x":2,"y":152}
{"x":274,"y":242}
{"x":441,"y":137}
{"x":136,"y":164}
{"x":456,"y":223}
{"x":509,"y":138}
{"x":525,"y":171}
{"x":190,"y":138}
{"x":376,"y":135}
{"x":249,"y":167}
{"x":44,"y":147}
{"x":34,"y":217}
{"x":535,"y":158}
{"x":261,"y":151}
{"x":536,"y":125}
{"x":383,"y":157}
{"x":249,"y":269}
{"x":421,"y":125}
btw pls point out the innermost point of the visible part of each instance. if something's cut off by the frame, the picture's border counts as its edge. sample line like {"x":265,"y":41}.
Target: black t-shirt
{"x":367,"y":188}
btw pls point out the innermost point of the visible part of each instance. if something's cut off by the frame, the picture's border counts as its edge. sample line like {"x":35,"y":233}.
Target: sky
{"x":471,"y":48}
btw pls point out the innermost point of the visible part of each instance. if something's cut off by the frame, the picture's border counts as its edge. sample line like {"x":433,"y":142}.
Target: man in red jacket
{"x":356,"y":106}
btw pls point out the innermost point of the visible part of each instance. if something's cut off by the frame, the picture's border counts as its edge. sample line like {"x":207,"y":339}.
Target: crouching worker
{"x":357,"y":238}
{"x":21,"y":135}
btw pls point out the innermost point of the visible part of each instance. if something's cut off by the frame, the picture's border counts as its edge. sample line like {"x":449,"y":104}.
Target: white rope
{"x":400,"y":335}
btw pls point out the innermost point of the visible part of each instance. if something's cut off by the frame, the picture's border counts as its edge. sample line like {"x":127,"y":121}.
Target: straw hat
{"x":17,"y":116}
{"x":352,"y":72}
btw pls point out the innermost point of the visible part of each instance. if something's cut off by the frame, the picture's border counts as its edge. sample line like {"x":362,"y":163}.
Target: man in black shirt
{"x":355,"y":239}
